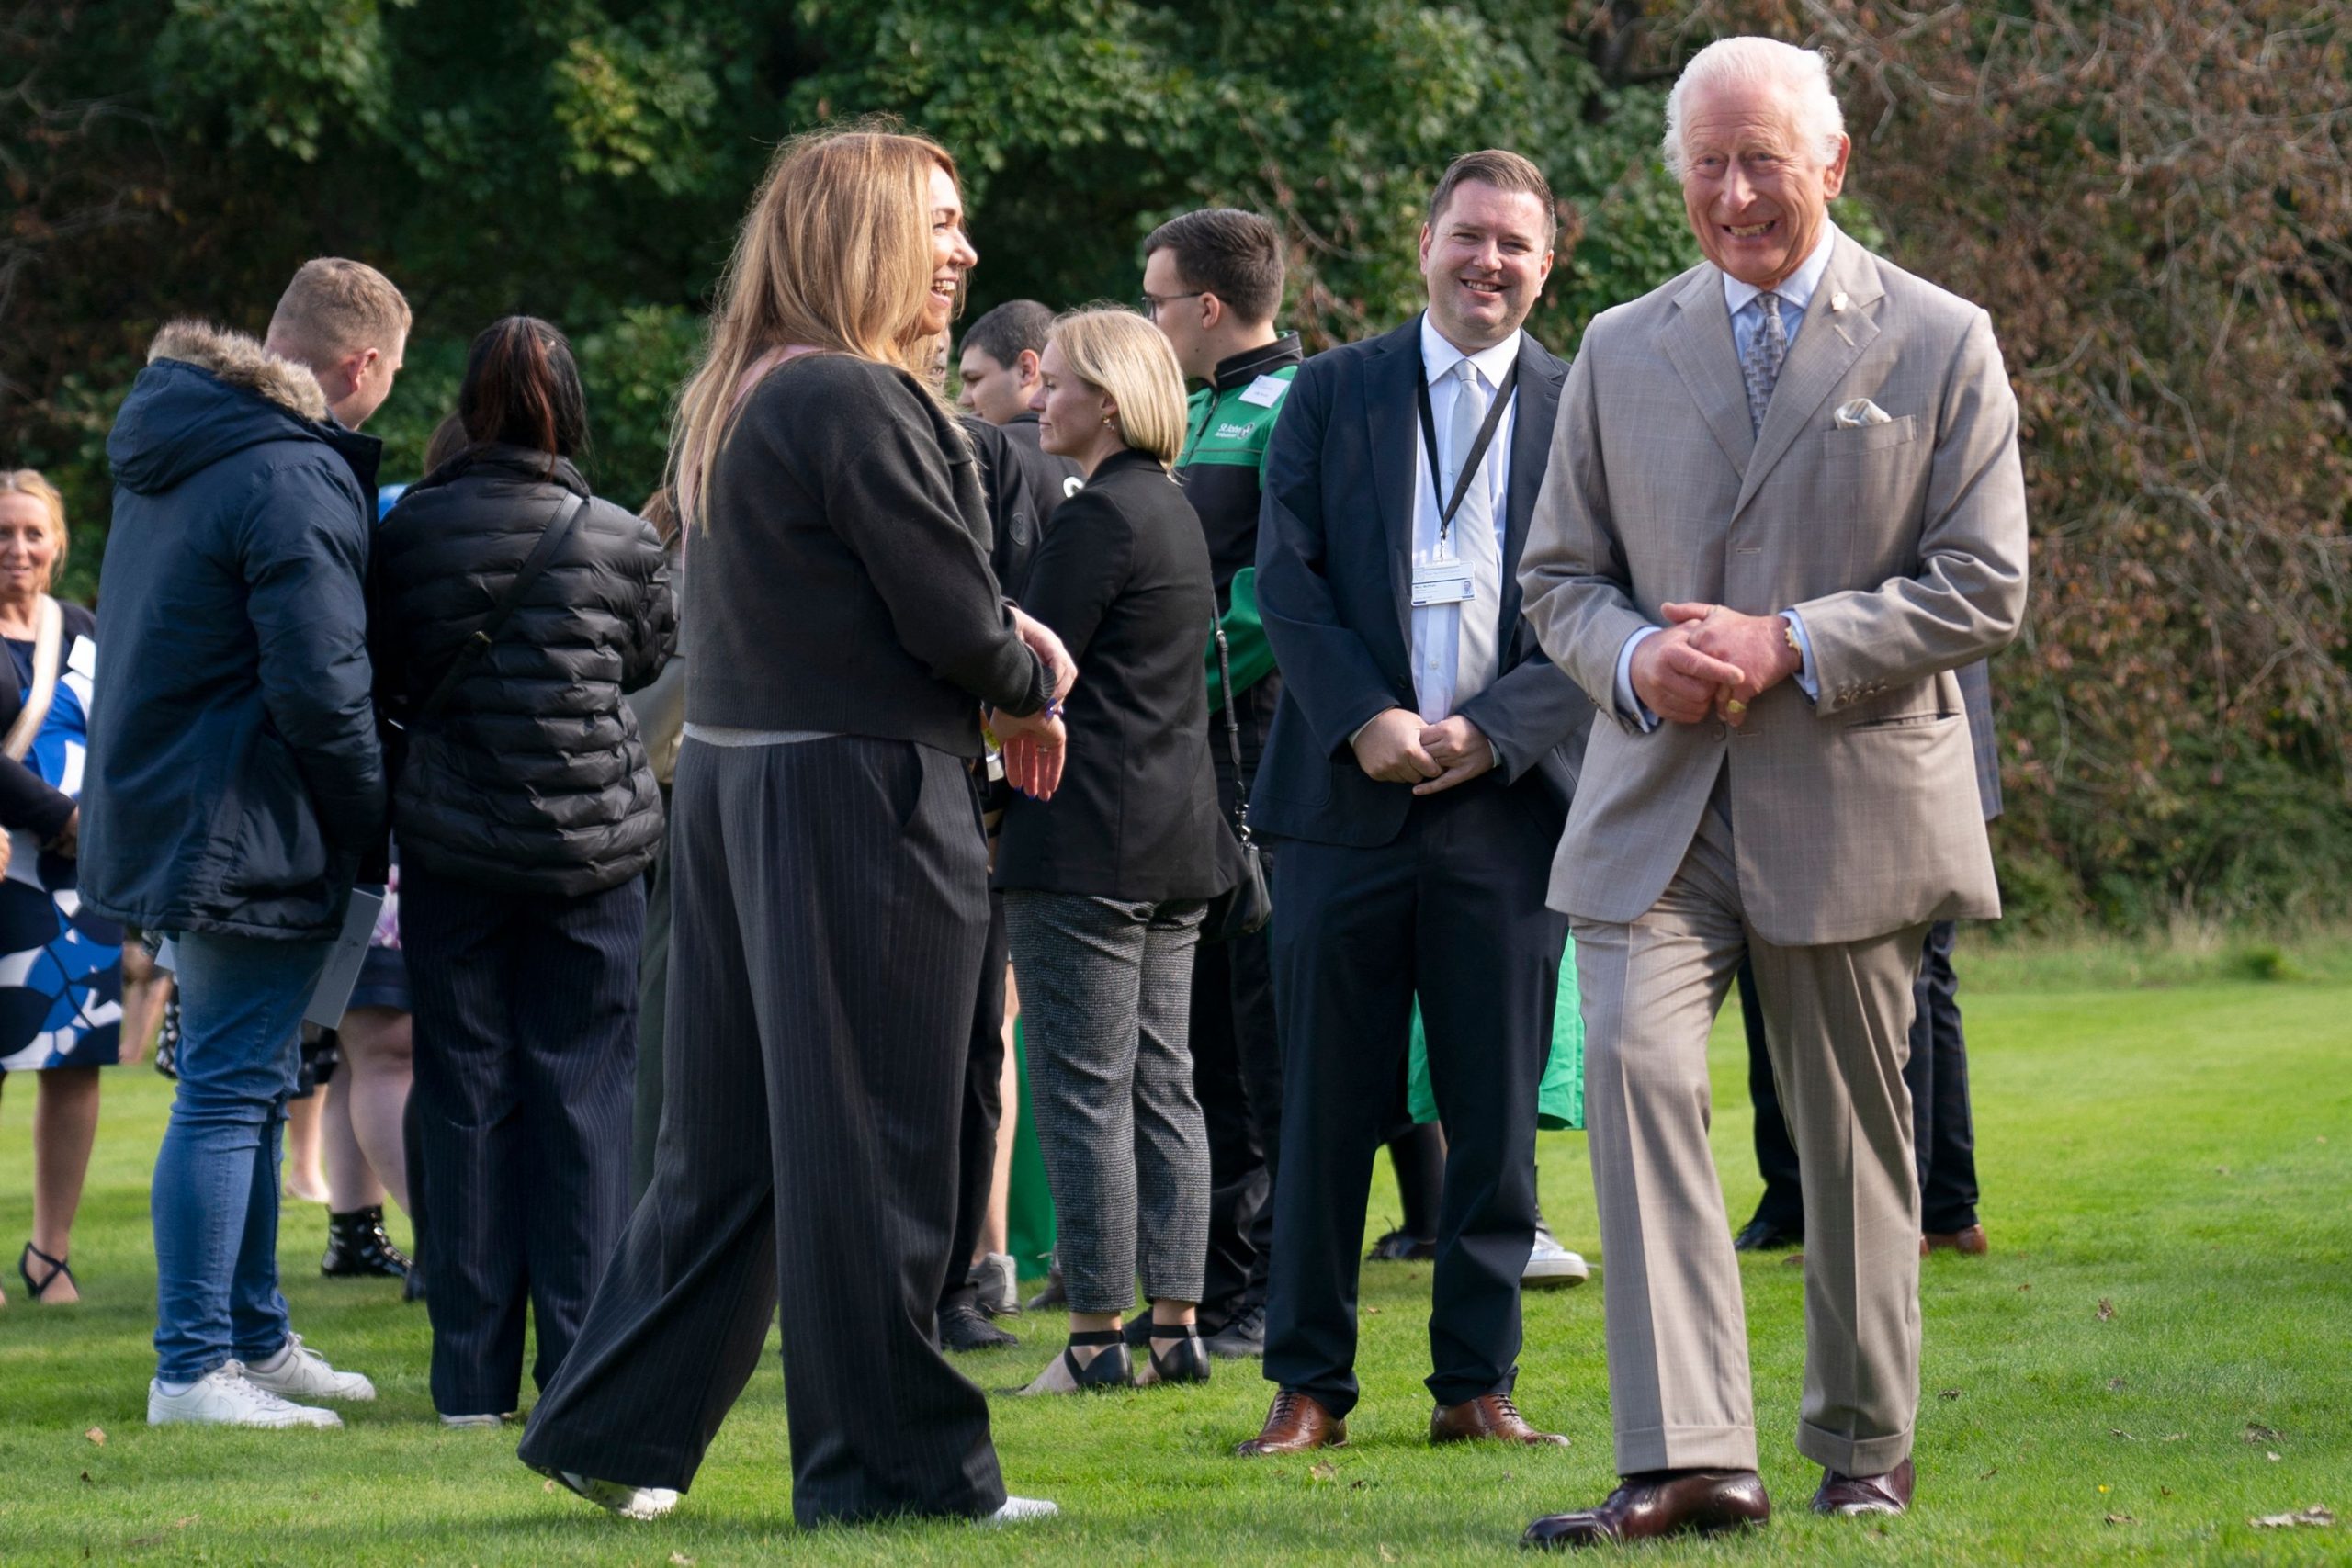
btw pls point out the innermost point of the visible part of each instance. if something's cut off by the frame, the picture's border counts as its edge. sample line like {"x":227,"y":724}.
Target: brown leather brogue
{"x":1294,"y":1424}
{"x":1490,"y":1417}
{"x":1661,"y":1503}
{"x":1970,"y":1243}
{"x":1854,"y":1495}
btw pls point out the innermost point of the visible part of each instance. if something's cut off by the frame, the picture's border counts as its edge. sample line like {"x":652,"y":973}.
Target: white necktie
{"x":1474,"y":542}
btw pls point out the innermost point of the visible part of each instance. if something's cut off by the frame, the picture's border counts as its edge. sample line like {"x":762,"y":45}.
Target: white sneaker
{"x":484,"y":1420}
{"x":999,"y":1290}
{"x":1021,"y":1510}
{"x":629,"y":1502}
{"x":1552,"y":1267}
{"x":226,"y":1397}
{"x":304,"y":1374}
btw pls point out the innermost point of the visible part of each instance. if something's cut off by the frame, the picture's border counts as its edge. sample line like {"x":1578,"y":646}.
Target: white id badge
{"x":1442,"y":580}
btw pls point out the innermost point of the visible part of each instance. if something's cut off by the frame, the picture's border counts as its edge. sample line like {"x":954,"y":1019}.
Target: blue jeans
{"x":215,"y":1197}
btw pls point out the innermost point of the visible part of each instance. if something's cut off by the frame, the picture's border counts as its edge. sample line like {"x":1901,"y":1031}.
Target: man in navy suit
{"x":1419,"y":774}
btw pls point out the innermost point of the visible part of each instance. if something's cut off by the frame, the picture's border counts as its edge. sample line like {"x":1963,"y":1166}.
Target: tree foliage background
{"x":2155,"y":201}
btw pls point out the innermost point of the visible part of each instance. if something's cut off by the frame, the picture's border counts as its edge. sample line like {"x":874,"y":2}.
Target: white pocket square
{"x":1859,"y":412}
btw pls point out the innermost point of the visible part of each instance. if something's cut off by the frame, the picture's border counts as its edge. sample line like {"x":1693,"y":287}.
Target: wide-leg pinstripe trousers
{"x":830,"y":905}
{"x":1106,"y":999}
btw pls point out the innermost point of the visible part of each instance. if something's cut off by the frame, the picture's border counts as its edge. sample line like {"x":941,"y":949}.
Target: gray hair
{"x":1802,"y":73}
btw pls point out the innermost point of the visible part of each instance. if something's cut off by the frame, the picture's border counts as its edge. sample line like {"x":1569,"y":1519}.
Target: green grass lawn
{"x":2159,"y":1348}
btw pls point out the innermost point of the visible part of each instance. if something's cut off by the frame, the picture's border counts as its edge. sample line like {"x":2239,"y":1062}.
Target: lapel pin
{"x":1837,"y":300}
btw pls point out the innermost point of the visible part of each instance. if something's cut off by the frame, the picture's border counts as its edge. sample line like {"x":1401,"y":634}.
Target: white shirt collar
{"x":1439,"y":357}
{"x":1796,"y":290}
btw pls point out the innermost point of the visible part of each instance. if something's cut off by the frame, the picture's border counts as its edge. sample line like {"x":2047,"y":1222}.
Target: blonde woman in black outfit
{"x":830,"y":897}
{"x":1105,"y":885}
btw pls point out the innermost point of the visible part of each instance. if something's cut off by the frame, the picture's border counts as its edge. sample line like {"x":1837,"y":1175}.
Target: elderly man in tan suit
{"x":1783,"y":504}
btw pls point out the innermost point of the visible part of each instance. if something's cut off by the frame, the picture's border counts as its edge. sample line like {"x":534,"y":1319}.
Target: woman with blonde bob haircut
{"x":64,"y":999}
{"x":830,"y":900}
{"x":1105,"y":885}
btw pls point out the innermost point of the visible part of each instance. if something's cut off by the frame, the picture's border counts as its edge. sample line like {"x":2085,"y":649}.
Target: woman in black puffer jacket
{"x":525,"y":811}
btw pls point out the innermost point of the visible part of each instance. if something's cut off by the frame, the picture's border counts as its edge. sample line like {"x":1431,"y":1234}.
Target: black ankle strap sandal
{"x":1187,"y":1360}
{"x":1109,"y":1369}
{"x":56,"y":1268}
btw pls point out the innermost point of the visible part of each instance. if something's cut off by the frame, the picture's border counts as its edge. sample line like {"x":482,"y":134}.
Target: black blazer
{"x":1123,"y":578}
{"x":26,"y":799}
{"x":1334,"y":575}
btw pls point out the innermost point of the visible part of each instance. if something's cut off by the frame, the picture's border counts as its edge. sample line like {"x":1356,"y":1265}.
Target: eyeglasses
{"x":1152,"y":302}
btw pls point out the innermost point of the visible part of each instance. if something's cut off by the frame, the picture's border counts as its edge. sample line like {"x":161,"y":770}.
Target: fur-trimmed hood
{"x":241,"y":361}
{"x":208,"y":393}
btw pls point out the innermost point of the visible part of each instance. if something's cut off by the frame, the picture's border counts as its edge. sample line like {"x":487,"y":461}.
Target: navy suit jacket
{"x":1334,"y":573}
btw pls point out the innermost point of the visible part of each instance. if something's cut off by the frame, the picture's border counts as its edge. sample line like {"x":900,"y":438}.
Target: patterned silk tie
{"x":1765,"y":352}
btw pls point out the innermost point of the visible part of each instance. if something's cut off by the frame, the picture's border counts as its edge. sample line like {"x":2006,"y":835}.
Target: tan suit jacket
{"x":1902,"y":545}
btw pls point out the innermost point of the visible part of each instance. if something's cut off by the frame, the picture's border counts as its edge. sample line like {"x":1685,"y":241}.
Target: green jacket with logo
{"x":1227,"y":427}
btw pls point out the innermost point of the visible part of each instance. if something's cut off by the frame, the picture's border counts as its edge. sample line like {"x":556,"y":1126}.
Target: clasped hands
{"x":1712,"y":661}
{"x":1397,"y":747}
{"x":1034,"y":748}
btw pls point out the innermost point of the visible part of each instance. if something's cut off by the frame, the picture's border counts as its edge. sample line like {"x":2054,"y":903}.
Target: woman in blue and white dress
{"x":60,"y":970}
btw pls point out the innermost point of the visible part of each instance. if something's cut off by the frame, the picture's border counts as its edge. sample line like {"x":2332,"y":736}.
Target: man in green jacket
{"x":1213,"y":281}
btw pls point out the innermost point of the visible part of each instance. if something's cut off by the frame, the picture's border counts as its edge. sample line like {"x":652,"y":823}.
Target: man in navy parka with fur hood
{"x":235,"y":782}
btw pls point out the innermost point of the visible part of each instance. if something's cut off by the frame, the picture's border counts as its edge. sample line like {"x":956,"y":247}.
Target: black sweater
{"x":843,"y":584}
{"x":1122,"y":576}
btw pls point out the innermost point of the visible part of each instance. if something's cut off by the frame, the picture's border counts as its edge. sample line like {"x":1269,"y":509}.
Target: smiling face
{"x":28,"y":548}
{"x":1071,"y":414}
{"x":1757,"y":194}
{"x":950,"y":252}
{"x":1485,"y":261}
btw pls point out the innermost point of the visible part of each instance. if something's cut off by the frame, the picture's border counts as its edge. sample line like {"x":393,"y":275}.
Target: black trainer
{"x":962,"y":1327}
{"x":1400,"y":1246}
{"x":358,"y":1248}
{"x":1243,"y":1335}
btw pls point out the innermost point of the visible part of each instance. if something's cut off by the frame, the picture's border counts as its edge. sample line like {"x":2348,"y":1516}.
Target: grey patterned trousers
{"x":1105,"y":1002}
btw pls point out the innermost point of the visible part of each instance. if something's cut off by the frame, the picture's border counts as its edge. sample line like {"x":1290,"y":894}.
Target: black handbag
{"x":1248,"y":906}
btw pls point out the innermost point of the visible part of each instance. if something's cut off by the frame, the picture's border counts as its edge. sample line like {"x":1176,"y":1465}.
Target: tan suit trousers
{"x":1838,"y":1020}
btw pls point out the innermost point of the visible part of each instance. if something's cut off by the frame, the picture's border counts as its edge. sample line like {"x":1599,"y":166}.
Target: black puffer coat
{"x":532,"y":779}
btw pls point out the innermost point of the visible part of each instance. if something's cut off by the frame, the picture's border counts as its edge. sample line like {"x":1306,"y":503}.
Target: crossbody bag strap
{"x":49,"y":645}
{"x":478,"y":643}
{"x":1232,"y":734}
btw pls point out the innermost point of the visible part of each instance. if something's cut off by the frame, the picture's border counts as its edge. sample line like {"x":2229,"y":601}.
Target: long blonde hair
{"x":32,"y":482}
{"x":1114,"y":350}
{"x":834,"y":254}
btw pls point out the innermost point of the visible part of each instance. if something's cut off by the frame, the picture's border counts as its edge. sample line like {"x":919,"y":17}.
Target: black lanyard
{"x":1446,"y":509}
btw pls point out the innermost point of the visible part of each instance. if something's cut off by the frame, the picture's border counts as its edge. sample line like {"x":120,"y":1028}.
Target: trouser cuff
{"x":1853,"y":1456}
{"x":1685,"y":1447}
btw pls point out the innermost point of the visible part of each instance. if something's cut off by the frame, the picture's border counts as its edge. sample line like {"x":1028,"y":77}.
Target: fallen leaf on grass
{"x":2221,"y":1170}
{"x":1373,"y":1311}
{"x":2164,"y":1491}
{"x":2106,"y":1309}
{"x":2117,"y":1385}
{"x":682,"y":1560}
{"x":1326,"y":1471}
{"x":1990,"y":1474}
{"x":2121,"y":1520}
{"x":1794,"y":1260}
{"x":96,"y":1435}
{"x":2119,"y":1432}
{"x":2260,"y":1435}
{"x":1950,"y":1394}
{"x":85,"y":1479}
{"x":547,"y":1486}
{"x":2317,"y":1514}
{"x":2272,"y":1456}
{"x":2027,"y":1286}
{"x":1358,"y":1486}
{"x":2175,"y":1437}
{"x":1387,"y":1555}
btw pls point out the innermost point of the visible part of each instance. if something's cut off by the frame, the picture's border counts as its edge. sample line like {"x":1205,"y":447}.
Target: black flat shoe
{"x":358,"y":1248}
{"x":1185,"y":1361}
{"x":56,"y":1268}
{"x":1766,"y":1236}
{"x":1110,"y":1367}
